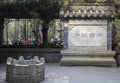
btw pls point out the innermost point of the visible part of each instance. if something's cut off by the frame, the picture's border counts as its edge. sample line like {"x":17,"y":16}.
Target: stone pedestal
{"x":88,"y":58}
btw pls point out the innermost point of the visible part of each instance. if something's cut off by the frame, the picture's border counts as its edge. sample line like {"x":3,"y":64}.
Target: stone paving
{"x":54,"y":73}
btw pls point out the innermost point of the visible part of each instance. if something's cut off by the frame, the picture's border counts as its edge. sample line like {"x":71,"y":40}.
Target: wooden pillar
{"x":1,"y":31}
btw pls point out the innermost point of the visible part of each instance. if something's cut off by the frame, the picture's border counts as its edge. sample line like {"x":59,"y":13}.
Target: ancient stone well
{"x":25,"y":71}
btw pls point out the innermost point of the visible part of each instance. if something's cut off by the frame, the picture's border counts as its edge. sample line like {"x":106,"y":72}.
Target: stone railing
{"x":25,"y":71}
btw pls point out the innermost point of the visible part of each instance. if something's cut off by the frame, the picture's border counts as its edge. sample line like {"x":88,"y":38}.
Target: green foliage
{"x":118,"y":47}
{"x":99,"y":1}
{"x":48,"y":10}
{"x":44,"y":9}
{"x":117,"y":2}
{"x":117,"y":36}
{"x":116,"y":40}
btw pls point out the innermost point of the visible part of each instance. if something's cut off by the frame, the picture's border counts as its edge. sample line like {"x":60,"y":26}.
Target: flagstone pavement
{"x":54,"y":73}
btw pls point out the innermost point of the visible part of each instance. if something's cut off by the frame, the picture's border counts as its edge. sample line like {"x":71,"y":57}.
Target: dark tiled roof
{"x":89,"y":11}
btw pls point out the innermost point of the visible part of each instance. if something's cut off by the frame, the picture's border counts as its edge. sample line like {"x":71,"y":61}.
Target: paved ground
{"x":79,"y":74}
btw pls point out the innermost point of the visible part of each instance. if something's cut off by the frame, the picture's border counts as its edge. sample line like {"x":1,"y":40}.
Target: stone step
{"x":87,"y":53}
{"x":88,"y":61}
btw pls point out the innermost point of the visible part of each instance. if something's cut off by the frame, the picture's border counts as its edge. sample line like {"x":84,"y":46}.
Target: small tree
{"x":48,"y":11}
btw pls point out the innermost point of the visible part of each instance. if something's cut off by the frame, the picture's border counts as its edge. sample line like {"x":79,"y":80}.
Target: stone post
{"x":109,"y":35}
{"x":66,"y":25}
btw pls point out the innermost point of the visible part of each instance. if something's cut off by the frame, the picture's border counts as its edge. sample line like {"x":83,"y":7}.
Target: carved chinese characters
{"x":86,"y":34}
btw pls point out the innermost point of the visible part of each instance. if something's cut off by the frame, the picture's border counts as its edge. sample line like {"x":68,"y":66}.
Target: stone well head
{"x":25,"y":71}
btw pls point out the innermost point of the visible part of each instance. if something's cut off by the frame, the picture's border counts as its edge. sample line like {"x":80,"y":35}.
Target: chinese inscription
{"x":87,"y":36}
{"x":92,"y":35}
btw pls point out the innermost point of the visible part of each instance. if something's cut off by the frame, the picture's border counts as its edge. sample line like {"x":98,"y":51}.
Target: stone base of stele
{"x":88,"y":58}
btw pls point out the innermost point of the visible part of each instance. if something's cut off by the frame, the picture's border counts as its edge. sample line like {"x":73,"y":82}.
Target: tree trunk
{"x":1,"y":31}
{"x":45,"y":34}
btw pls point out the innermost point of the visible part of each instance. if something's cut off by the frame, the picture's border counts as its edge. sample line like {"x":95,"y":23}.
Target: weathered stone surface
{"x":95,"y":58}
{"x":25,"y":71}
{"x":9,"y":60}
{"x":82,"y":60}
{"x":36,"y":58}
{"x":56,"y":78}
{"x":87,"y":52}
{"x":21,"y":70}
{"x":87,"y":34}
{"x":21,"y":60}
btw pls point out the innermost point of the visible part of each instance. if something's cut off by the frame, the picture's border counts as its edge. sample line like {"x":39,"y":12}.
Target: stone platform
{"x":88,"y":58}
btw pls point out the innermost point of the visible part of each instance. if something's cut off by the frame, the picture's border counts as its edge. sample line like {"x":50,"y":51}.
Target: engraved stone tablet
{"x":88,"y":34}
